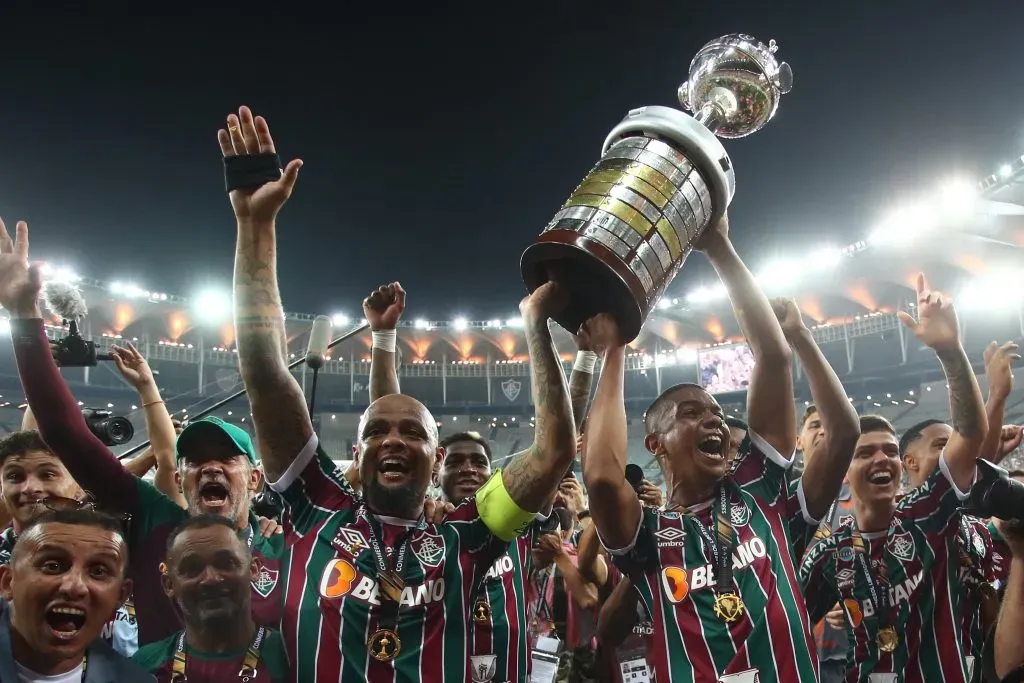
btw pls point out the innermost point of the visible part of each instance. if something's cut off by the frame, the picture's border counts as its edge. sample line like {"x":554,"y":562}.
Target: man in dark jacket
{"x":65,"y":580}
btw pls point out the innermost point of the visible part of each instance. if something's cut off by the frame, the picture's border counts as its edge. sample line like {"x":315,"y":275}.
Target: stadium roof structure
{"x":968,"y":238}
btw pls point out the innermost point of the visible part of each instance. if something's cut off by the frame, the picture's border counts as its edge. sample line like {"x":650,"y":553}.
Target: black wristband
{"x":251,"y":170}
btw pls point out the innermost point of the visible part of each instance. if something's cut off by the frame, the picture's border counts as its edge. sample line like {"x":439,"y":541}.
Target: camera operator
{"x":216,"y":461}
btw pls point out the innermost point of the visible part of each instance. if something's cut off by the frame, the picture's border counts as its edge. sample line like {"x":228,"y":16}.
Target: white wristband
{"x":385,"y":340}
{"x":585,"y":362}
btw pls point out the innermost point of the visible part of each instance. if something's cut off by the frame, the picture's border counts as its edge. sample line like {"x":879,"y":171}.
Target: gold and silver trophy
{"x":662,"y":180}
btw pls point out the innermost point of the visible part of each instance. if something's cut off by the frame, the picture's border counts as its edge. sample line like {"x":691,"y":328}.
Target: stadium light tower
{"x":212,"y":306}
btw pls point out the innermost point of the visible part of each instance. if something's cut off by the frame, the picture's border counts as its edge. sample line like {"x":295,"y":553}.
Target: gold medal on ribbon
{"x":391,"y":585}
{"x":888,"y":640}
{"x":482,"y":611}
{"x":384,"y":645}
{"x":728,"y":607}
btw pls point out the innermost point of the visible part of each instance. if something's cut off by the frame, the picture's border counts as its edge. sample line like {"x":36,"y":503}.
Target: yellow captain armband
{"x":499,"y":512}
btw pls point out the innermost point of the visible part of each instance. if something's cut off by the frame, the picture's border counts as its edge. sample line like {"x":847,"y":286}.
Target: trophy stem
{"x":709,"y":116}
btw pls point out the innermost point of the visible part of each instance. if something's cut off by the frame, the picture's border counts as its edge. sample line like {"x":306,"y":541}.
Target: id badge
{"x":634,"y":668}
{"x":883,"y":678}
{"x":748,"y":676}
{"x":544,"y":666}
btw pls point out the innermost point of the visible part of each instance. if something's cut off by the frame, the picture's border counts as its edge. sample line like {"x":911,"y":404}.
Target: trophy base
{"x":594,"y":285}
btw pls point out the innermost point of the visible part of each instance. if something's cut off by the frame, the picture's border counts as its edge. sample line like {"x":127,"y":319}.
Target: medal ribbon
{"x":250,"y":662}
{"x":877,"y":580}
{"x":720,"y":543}
{"x":389,"y":605}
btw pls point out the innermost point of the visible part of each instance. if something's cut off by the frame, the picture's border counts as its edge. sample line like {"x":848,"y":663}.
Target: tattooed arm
{"x":534,"y":474}
{"x":279,"y":409}
{"x":580,"y":382}
{"x":970,"y":423}
{"x":282,"y":423}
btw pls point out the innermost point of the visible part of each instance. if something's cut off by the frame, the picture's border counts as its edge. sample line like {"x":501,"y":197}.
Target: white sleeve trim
{"x":802,"y":497}
{"x":944,"y":468}
{"x":619,"y":552}
{"x":298,"y":465}
{"x":769,"y":450}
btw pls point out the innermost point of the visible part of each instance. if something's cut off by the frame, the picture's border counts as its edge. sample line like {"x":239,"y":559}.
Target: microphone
{"x":319,"y":338}
{"x":634,"y":475}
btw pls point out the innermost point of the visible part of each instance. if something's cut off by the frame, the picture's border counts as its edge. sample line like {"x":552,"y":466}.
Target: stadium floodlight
{"x":825,"y":258}
{"x":494,"y":323}
{"x":1005,"y":171}
{"x":5,"y":327}
{"x":780,"y":274}
{"x":957,"y":197}
{"x":664,"y":303}
{"x":703,"y":295}
{"x":514,"y":322}
{"x":421,"y":324}
{"x":53,"y":273}
{"x":460,"y":324}
{"x":212,"y":306}
{"x":339,"y":319}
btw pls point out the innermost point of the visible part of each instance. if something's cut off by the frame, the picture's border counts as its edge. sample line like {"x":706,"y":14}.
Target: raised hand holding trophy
{"x":662,"y":179}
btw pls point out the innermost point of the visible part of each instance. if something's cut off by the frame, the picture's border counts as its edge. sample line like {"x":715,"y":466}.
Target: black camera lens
{"x":112,"y":430}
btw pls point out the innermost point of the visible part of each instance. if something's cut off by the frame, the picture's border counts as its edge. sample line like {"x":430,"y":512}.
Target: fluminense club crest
{"x":429,"y":549}
{"x":511,"y":389}
{"x":902,"y":546}
{"x":266,"y":580}
{"x":484,"y":667}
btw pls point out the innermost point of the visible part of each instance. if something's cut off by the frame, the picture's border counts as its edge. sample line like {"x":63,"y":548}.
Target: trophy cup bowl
{"x":662,"y":179}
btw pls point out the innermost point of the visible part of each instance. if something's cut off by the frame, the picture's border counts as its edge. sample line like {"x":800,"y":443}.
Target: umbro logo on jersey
{"x":845,"y":575}
{"x":341,"y":580}
{"x":670,"y":537}
{"x":351,"y":541}
{"x":678,"y":581}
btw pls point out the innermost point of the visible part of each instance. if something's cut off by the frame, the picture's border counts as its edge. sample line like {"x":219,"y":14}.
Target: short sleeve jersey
{"x":920,"y":552}
{"x":673,"y":571}
{"x":333,"y":601}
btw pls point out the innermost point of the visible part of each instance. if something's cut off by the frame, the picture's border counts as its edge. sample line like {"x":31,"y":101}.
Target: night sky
{"x":439,"y":141}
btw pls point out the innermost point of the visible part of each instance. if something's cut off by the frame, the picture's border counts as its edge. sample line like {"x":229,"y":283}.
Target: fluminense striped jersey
{"x":499,"y":650}
{"x":673,"y":572}
{"x":332,"y":599}
{"x":920,"y":551}
{"x":975,"y":575}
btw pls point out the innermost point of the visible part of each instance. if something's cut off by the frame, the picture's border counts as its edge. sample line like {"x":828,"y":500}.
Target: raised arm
{"x":534,"y":474}
{"x":159,"y":426}
{"x":770,"y":409}
{"x":383,"y":309}
{"x":581,"y":381}
{"x":826,"y":467}
{"x":58,"y":417}
{"x":613,"y":502}
{"x":999,"y":372}
{"x":937,"y":328}
{"x":279,"y":413}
